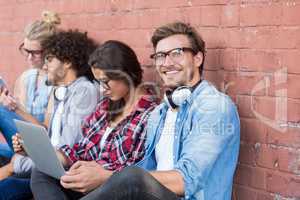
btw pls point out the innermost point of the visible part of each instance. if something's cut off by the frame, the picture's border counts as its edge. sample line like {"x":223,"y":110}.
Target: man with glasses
{"x":192,"y":136}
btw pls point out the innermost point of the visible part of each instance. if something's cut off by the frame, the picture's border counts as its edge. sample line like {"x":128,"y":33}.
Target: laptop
{"x":39,"y":148}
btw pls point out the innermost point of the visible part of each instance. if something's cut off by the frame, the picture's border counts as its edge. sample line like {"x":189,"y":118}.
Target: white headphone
{"x":60,"y":93}
{"x":175,"y":98}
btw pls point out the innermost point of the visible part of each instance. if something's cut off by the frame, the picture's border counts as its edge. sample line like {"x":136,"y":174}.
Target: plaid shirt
{"x":124,"y":145}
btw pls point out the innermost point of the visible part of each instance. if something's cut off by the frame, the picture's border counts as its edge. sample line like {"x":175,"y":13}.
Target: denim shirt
{"x":36,"y":98}
{"x":206,"y":143}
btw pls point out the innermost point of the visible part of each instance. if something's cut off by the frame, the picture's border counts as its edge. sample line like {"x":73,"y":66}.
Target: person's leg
{"x":7,"y":126}
{"x":132,"y":183}
{"x":15,"y":189}
{"x":46,"y":187}
{"x":5,"y":150}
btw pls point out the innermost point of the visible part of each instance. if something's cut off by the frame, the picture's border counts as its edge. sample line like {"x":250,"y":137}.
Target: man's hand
{"x":7,"y":100}
{"x":85,"y":176}
{"x":17,"y":144}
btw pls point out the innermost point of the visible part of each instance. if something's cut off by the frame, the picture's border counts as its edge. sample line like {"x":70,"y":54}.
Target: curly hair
{"x":71,"y":46}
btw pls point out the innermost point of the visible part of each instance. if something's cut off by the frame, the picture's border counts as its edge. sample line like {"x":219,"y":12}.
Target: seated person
{"x":75,"y":97}
{"x":192,"y":136}
{"x":114,"y":134}
{"x":31,"y":94}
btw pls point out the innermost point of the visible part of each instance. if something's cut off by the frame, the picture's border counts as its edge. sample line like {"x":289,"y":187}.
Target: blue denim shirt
{"x":206,"y":143}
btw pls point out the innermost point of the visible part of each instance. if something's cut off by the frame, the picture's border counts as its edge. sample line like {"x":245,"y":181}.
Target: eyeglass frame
{"x":167,"y":53}
{"x":103,"y":82}
{"x":34,"y":53}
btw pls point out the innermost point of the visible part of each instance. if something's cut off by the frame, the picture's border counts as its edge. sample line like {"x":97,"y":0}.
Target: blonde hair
{"x":41,"y":29}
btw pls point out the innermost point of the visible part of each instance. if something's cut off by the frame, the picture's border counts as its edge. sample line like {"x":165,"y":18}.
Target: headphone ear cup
{"x":180,"y":95}
{"x":60,"y":93}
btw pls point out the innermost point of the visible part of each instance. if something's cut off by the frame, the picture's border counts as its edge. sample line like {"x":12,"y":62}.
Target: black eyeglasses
{"x":176,"y":55}
{"x":103,"y":82}
{"x":25,"y":52}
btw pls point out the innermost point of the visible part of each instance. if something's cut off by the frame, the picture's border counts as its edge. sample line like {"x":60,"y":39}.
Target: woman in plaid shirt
{"x":114,"y":135}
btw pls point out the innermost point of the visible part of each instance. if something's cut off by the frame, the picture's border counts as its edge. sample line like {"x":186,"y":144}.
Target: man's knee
{"x":136,"y":177}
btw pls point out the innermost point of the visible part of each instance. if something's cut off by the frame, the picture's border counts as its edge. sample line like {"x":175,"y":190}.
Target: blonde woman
{"x":30,"y":99}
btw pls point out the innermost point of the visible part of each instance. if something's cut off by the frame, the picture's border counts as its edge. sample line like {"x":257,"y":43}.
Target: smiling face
{"x":185,"y":69}
{"x":113,"y":89}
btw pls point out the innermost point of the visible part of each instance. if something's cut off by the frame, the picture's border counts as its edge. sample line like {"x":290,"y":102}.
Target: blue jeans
{"x":8,"y":129}
{"x":15,"y":189}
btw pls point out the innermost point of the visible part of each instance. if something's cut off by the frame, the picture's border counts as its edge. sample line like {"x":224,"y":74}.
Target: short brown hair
{"x":196,"y":41}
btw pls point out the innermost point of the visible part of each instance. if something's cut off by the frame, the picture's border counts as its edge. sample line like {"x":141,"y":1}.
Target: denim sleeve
{"x":23,"y":165}
{"x":214,"y":124}
{"x":81,"y":104}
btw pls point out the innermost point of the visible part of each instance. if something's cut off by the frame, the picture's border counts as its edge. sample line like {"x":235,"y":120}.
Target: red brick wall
{"x":253,"y":54}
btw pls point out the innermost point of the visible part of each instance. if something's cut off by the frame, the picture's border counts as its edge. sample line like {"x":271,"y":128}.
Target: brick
{"x":288,"y":138}
{"x":259,"y":60}
{"x":270,"y":37}
{"x":291,"y":14}
{"x":293,"y":86}
{"x":247,"y":154}
{"x":94,"y":6}
{"x":230,"y":15}
{"x":215,"y":77}
{"x":211,"y":37}
{"x":253,"y":131}
{"x":231,"y":37}
{"x":229,"y":59}
{"x":289,"y":160}
{"x":212,"y":60}
{"x":284,"y":85}
{"x":150,"y":4}
{"x":135,"y":38}
{"x":209,"y":2}
{"x":244,"y":106}
{"x":210,"y":15}
{"x":127,"y":21}
{"x":176,"y":14}
{"x":245,"y":83}
{"x":174,"y":3}
{"x":284,"y":184}
{"x":194,"y":15}
{"x":100,"y":22}
{"x":7,"y":12}
{"x":270,"y":110}
{"x":260,"y":14}
{"x":253,"y":177}
{"x":144,"y":56}
{"x":79,"y":22}
{"x":293,"y":110}
{"x":290,"y":59}
{"x":266,"y":156}
{"x":120,"y":5}
{"x":151,"y":18}
{"x":244,"y":193}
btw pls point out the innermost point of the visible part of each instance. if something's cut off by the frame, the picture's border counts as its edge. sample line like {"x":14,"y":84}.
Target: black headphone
{"x":175,"y":98}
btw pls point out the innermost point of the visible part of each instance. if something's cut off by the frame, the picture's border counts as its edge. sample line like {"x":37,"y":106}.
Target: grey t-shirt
{"x":80,"y":101}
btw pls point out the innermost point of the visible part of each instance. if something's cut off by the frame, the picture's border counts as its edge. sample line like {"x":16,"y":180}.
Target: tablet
{"x":39,"y":148}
